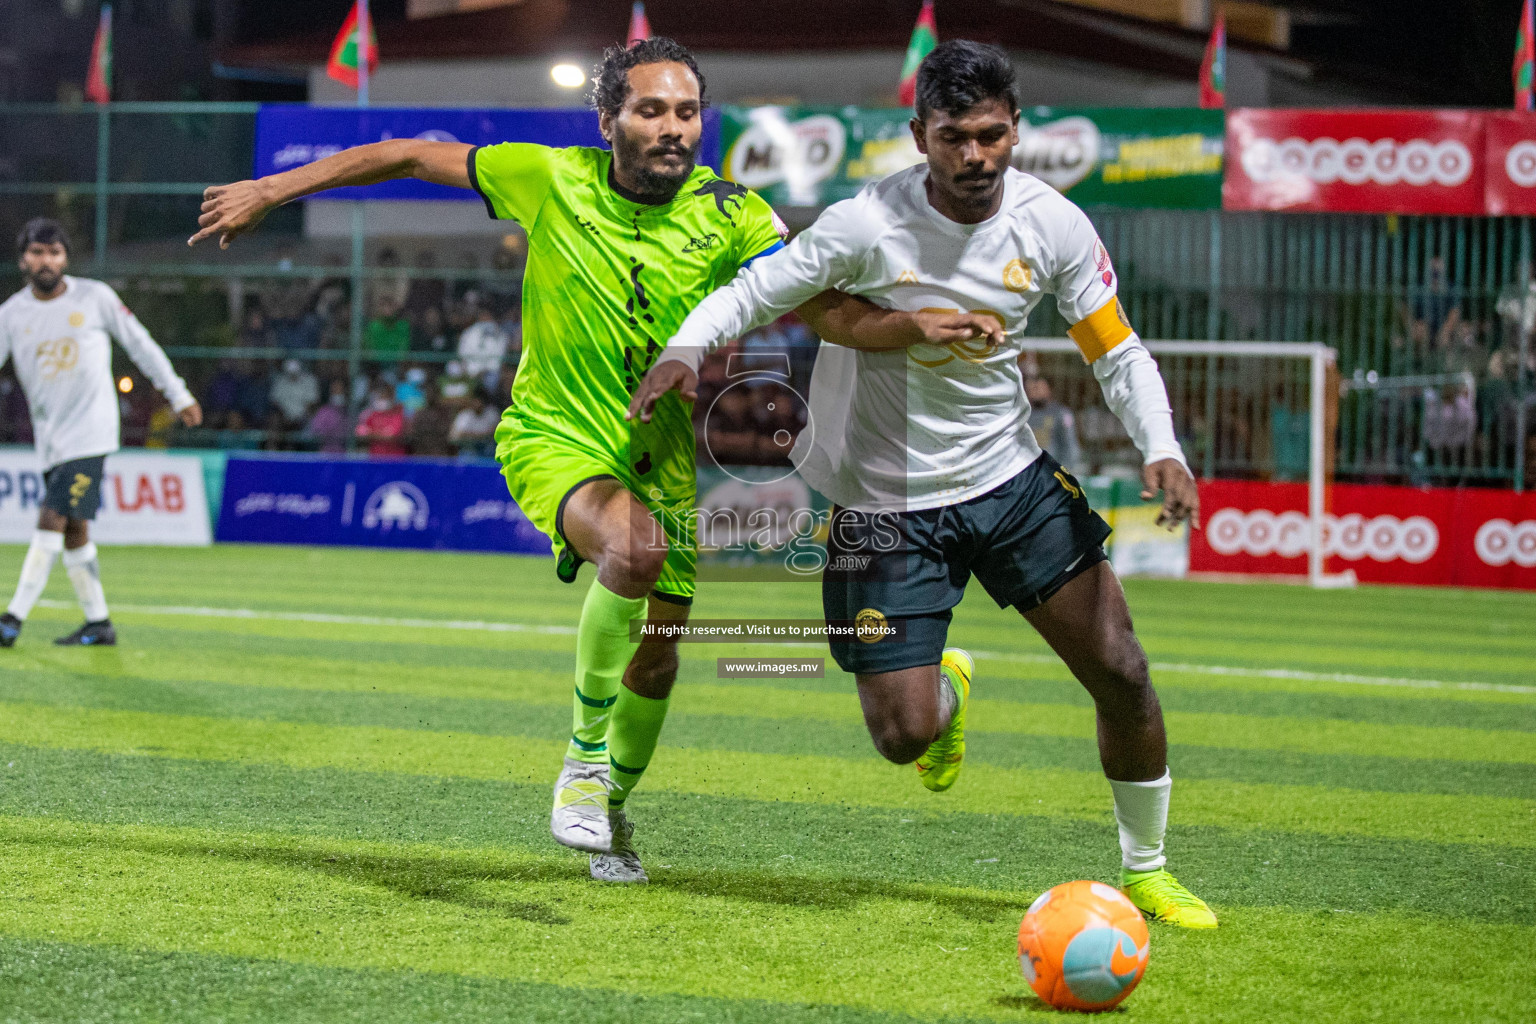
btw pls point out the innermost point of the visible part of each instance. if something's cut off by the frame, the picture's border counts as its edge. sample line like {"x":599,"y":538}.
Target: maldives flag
{"x":343,"y":64}
{"x":639,"y":24}
{"x":1525,"y":58}
{"x":1213,"y":70}
{"x":925,"y":36}
{"x":98,"y":80}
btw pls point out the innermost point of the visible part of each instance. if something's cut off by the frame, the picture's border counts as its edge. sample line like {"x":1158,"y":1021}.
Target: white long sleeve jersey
{"x":63,"y":353}
{"x":928,"y":426}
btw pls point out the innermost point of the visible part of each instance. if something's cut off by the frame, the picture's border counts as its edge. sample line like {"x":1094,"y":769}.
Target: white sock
{"x":34,"y":571}
{"x":85,"y":574}
{"x":1141,"y":811}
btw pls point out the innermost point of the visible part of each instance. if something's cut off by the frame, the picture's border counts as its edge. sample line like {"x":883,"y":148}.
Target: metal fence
{"x":1432,"y":316}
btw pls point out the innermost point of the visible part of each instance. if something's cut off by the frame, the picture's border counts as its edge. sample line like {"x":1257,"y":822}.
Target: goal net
{"x":1243,"y":410}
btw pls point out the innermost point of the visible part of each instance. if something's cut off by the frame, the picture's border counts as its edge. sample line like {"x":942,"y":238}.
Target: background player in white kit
{"x":59,"y":331}
{"x":927,"y":453}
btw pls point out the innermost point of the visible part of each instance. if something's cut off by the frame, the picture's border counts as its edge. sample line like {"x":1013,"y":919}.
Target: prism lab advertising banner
{"x":146,"y":498}
{"x":810,"y":156}
{"x":1356,"y":161}
{"x":289,"y":136}
{"x":389,"y":503}
{"x":1468,"y":537}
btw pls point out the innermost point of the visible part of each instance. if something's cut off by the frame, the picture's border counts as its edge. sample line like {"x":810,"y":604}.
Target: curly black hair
{"x":42,"y":230}
{"x":610,"y":79}
{"x":959,"y":74}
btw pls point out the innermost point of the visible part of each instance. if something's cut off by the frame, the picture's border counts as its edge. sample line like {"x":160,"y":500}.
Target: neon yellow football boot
{"x":939,"y":766}
{"x":1160,"y":896}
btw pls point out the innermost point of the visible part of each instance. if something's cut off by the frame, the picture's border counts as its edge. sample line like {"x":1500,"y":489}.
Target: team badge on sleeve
{"x":1017,"y":276}
{"x":1101,"y":260}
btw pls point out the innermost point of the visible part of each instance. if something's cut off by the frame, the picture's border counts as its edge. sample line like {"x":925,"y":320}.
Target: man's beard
{"x":634,"y":156}
{"x":45,"y":280}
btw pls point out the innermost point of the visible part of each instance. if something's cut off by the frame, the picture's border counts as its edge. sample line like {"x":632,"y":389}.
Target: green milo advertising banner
{"x":1168,"y":158}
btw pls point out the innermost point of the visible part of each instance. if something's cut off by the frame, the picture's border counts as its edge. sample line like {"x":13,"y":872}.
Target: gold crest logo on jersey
{"x":907,"y":277}
{"x":870,"y":626}
{"x":57,"y":356}
{"x":1017,"y":276}
{"x":77,"y":319}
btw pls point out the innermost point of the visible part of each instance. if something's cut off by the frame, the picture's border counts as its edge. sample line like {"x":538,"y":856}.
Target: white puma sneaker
{"x":580,"y":817}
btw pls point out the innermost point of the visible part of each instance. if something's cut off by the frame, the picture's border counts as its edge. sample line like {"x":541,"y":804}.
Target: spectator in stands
{"x":431,"y":331}
{"x":427,"y":292}
{"x":1450,"y":421}
{"x":388,"y":331}
{"x":474,"y":427}
{"x":222,"y":392}
{"x":729,"y":428}
{"x":1434,"y":302}
{"x":505,"y":289}
{"x":256,"y":332}
{"x":392,"y":285}
{"x":411,"y":392}
{"x":298,"y":326}
{"x":482,"y":347}
{"x":327,"y":428}
{"x":294,"y":393}
{"x":382,"y":425}
{"x":1054,"y":425}
{"x":430,"y":428}
{"x":455,"y":385}
{"x":252,"y":397}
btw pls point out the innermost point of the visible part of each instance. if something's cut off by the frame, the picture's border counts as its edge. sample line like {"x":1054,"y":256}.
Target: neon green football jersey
{"x":608,"y":281}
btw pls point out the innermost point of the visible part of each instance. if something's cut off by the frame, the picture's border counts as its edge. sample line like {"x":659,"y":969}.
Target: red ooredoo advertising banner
{"x":1356,"y":161}
{"x":1438,"y":537}
{"x":1511,"y":164}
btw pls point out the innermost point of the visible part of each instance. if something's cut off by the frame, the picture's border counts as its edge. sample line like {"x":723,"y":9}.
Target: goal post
{"x":1311,"y":361}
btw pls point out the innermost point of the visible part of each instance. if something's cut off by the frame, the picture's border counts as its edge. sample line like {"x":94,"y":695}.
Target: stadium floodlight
{"x":1317,"y":358}
{"x":568,"y":76}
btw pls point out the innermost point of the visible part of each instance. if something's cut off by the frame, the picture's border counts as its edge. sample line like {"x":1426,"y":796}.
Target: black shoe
{"x":10,"y":629}
{"x":92,"y":634}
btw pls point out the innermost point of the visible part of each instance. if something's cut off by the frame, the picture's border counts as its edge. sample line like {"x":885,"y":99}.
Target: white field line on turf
{"x":475,"y":626}
{"x":321,"y":617}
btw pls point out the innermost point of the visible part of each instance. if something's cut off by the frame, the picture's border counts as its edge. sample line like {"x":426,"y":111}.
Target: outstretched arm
{"x":148,"y":356}
{"x":232,"y":210}
{"x":855,"y":322}
{"x":839,"y":318}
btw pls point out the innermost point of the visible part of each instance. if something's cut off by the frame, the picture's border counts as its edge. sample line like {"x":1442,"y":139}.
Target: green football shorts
{"x":544,"y":469}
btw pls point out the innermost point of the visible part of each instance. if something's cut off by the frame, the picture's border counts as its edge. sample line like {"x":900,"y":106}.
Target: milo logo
{"x":1060,"y":153}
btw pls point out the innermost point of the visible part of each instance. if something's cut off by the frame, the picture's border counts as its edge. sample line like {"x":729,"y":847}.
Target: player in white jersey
{"x":927,"y":454}
{"x":58,"y":330}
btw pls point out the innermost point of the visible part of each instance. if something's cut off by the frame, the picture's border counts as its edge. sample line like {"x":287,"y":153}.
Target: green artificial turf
{"x":334,"y":808}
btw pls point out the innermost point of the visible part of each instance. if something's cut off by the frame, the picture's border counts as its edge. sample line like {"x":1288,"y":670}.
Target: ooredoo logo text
{"x":1417,"y":162}
{"x":1351,"y":537}
{"x":1499,"y":542}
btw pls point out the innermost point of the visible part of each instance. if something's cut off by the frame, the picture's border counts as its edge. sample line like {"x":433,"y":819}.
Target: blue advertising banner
{"x":396,"y":503}
{"x":292,"y":135}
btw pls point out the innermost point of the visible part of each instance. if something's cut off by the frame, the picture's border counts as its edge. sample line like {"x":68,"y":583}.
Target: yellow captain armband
{"x":1101,"y":330}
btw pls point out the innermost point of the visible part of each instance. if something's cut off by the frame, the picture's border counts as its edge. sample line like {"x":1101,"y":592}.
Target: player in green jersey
{"x":621,"y":245}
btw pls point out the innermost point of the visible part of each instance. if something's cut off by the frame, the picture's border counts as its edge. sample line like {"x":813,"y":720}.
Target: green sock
{"x":603,"y":652}
{"x":632,"y":740}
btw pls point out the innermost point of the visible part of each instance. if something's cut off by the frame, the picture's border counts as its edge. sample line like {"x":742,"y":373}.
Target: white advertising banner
{"x":146,"y":498}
